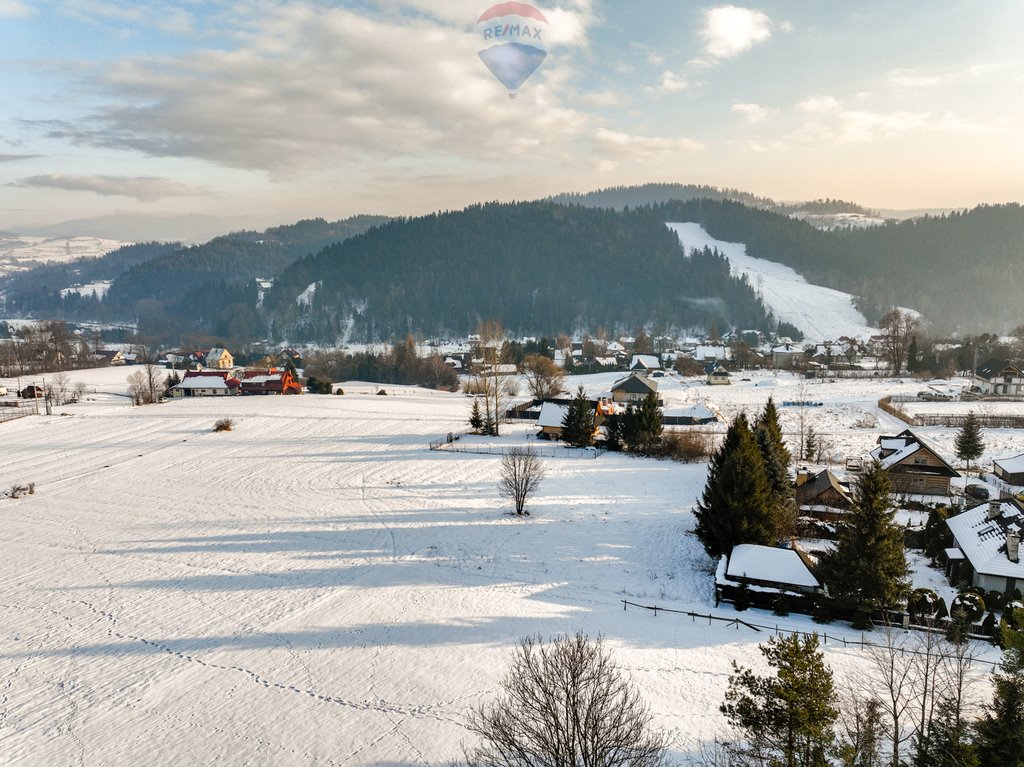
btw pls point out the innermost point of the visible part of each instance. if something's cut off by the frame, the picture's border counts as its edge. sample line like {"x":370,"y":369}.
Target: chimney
{"x":1013,"y":546}
{"x":802,"y":476}
{"x":995,"y":509}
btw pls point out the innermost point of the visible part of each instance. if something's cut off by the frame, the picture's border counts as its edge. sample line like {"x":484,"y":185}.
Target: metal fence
{"x":14,"y":413}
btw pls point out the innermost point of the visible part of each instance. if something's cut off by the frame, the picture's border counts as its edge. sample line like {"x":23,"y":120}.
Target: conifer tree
{"x":476,"y":419}
{"x":969,"y":443}
{"x":949,"y":741}
{"x":867,"y":566}
{"x":776,"y":463}
{"x":737,"y":505}
{"x":787,"y":717}
{"x":578,"y":423}
{"x":1000,"y":732}
{"x":648,"y":425}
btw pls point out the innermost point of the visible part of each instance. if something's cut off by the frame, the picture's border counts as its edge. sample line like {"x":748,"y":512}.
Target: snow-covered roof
{"x":649,"y":361}
{"x":699,"y":411}
{"x":1012,"y":465}
{"x":770,"y":564}
{"x":552,"y":414}
{"x":983,"y":540}
{"x":202,"y":382}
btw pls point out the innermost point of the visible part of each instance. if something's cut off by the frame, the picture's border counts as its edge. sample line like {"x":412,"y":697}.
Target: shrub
{"x":941,"y":611}
{"x":742,"y":601}
{"x":995,"y":600}
{"x":686,"y":446}
{"x":340,"y":391}
{"x":224,"y":424}
{"x":922,"y":603}
{"x":822,"y":611}
{"x":781,"y":605}
{"x":382,"y":393}
{"x":971,"y":603}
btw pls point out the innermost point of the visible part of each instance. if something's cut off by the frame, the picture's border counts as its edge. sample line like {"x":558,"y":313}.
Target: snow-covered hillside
{"x":821,"y":314}
{"x":19,"y":253}
{"x":317,"y":587}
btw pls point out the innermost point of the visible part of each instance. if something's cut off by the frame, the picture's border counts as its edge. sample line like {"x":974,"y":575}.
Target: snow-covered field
{"x":317,"y":587}
{"x":820,"y":313}
{"x":25,"y":252}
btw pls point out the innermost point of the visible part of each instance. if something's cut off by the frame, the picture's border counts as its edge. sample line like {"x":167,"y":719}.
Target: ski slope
{"x":318,"y":587}
{"x":20,"y":253}
{"x":820,"y":313}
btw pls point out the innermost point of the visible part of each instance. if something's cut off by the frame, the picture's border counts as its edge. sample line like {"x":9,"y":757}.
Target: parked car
{"x":977,"y":492}
{"x":3,"y":391}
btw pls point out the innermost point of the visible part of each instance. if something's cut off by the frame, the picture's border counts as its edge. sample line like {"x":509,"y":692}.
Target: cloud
{"x":729,"y":30}
{"x":753,"y":113}
{"x":310,"y":86}
{"x":834,"y":122}
{"x":613,"y":145}
{"x":672,"y":83}
{"x":15,"y":9}
{"x":163,"y":16}
{"x":910,"y":78}
{"x":16,"y":157}
{"x":142,"y":188}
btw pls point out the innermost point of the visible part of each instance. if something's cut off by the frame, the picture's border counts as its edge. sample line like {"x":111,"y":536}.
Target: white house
{"x":645,"y":363}
{"x":986,"y":544}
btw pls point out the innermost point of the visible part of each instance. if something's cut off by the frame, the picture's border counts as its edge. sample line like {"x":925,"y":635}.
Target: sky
{"x":294,"y":109}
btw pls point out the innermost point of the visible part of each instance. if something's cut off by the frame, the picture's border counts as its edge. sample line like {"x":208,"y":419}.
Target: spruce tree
{"x":476,"y":419}
{"x":648,"y":425}
{"x":578,"y":423}
{"x":868,"y":567}
{"x":1000,"y":732}
{"x":776,"y":463}
{"x":737,"y":504}
{"x":969,"y":443}
{"x":949,"y":741}
{"x":788,"y":716}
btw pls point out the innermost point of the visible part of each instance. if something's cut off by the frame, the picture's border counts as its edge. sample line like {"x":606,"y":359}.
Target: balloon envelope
{"x":514,"y":42}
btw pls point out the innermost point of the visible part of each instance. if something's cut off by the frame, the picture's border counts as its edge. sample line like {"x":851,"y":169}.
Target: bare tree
{"x":543,"y":377}
{"x":137,"y":387}
{"x":521,"y":473}
{"x":898,"y":328}
{"x":565,"y":703}
{"x":490,"y":381}
{"x":892,"y":685}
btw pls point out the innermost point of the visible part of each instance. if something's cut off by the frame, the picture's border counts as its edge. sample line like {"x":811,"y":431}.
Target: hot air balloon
{"x":514,"y":42}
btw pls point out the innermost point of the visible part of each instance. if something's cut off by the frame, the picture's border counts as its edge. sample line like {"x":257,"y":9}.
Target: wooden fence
{"x":861,"y":643}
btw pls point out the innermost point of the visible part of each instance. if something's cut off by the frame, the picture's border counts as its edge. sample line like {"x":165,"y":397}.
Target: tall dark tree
{"x":787,"y":717}
{"x":476,"y":418}
{"x":969,"y":443}
{"x":1000,"y":732}
{"x":867,"y":566}
{"x":913,"y":364}
{"x":737,"y":504}
{"x":776,"y":464}
{"x":578,"y":423}
{"x":949,"y":742}
{"x":647,"y":434}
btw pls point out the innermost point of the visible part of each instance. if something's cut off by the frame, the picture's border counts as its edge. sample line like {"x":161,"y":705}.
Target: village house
{"x":270,"y":381}
{"x":109,"y":357}
{"x":718,"y":376}
{"x":986,"y":545}
{"x":912,"y":465}
{"x":633,"y":389}
{"x":206,"y":383}
{"x":787,"y":356}
{"x":645,"y":363}
{"x":219,"y":359}
{"x":552,"y":415}
{"x":823,"y":495}
{"x":999,"y":378}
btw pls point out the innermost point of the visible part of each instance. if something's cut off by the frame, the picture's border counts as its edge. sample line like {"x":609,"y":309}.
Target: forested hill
{"x":620,"y":197}
{"x":964,"y":271}
{"x":537,"y":267}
